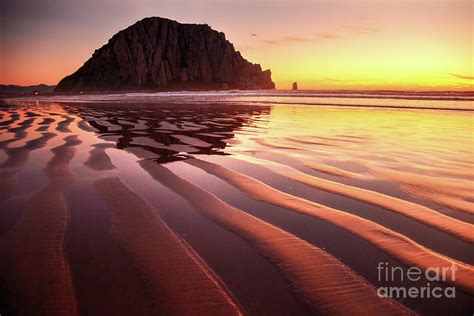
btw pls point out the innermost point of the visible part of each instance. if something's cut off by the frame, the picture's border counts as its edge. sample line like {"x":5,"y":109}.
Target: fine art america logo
{"x":388,"y":274}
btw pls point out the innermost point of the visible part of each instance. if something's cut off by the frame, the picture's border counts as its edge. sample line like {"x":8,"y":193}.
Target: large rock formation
{"x":161,"y":54}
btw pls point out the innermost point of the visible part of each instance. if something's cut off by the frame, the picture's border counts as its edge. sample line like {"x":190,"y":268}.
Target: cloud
{"x":462,"y":76}
{"x":287,"y":39}
{"x":317,"y":36}
{"x":327,"y":35}
{"x":299,"y":39}
{"x":295,"y":39}
{"x":361,"y":29}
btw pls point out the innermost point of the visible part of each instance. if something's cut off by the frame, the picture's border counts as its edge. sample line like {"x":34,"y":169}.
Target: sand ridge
{"x":173,"y":275}
{"x":318,"y":279}
{"x":43,"y":284}
{"x":397,"y":245}
{"x":425,"y":215}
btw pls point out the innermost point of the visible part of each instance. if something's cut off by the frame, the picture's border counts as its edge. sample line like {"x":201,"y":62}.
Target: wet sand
{"x":179,"y":209}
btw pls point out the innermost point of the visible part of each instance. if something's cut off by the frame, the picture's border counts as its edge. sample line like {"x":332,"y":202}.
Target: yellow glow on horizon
{"x":368,"y":62}
{"x":399,"y":49}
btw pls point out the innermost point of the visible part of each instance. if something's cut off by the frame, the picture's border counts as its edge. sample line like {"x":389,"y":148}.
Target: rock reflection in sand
{"x":170,"y":132}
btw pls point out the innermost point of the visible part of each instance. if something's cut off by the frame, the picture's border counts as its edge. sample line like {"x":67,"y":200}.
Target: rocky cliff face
{"x":161,"y":54}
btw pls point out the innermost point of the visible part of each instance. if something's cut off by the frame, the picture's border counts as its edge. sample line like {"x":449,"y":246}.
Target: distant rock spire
{"x":295,"y":86}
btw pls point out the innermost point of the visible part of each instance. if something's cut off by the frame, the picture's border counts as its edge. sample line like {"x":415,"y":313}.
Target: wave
{"x":389,"y":100}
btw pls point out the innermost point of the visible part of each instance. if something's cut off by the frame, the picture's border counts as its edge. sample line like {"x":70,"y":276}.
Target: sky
{"x":321,"y":44}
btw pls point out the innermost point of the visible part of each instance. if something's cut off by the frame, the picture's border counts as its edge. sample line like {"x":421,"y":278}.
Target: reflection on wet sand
{"x":128,"y":197}
{"x":171,"y":132}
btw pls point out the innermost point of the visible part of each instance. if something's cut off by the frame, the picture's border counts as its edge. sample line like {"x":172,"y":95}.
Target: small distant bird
{"x":253,"y":34}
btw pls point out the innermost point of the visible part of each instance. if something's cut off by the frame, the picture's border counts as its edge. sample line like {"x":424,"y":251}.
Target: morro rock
{"x":161,"y":54}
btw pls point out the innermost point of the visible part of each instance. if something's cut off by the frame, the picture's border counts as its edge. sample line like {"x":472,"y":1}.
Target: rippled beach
{"x":235,"y":203}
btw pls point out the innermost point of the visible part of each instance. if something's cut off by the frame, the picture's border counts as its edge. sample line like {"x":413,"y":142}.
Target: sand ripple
{"x":395,"y":168}
{"x":33,"y":262}
{"x":178,"y":281}
{"x":319,"y":279}
{"x":395,"y":244}
{"x":415,"y":211}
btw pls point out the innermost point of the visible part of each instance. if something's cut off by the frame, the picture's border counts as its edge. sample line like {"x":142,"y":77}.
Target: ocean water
{"x":388,"y":99}
{"x":288,"y":201}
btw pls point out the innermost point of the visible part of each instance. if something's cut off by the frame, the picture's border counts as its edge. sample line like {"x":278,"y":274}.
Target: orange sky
{"x":338,"y":44}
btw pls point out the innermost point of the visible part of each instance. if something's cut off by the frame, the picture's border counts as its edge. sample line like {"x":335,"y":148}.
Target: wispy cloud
{"x":287,"y":39}
{"x":318,"y":36}
{"x":462,"y":76}
{"x":327,"y":35}
{"x":361,"y":29}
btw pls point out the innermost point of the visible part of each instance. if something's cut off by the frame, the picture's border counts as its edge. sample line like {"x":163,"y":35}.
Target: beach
{"x":236,"y":203}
